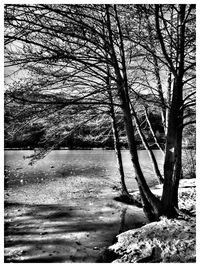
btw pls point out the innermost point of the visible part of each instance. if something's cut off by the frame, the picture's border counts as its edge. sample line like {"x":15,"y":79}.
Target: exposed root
{"x":128,"y":199}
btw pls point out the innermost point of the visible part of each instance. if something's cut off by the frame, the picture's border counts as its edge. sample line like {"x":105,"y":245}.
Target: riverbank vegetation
{"x":105,"y":74}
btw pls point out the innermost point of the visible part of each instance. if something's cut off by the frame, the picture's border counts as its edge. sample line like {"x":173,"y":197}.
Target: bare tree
{"x":67,"y":48}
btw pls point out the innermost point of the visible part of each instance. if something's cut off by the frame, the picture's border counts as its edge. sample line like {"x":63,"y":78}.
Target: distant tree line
{"x":73,"y":66}
{"x":91,"y":135}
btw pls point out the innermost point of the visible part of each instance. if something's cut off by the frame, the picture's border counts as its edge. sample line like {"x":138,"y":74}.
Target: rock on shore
{"x":168,"y":240}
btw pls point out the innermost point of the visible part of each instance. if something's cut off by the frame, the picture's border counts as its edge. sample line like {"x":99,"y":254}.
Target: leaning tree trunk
{"x":147,"y":147}
{"x":124,"y":190}
{"x":118,"y":150}
{"x":152,"y":132}
{"x":156,"y":71}
{"x":150,"y":201}
{"x":125,"y":197}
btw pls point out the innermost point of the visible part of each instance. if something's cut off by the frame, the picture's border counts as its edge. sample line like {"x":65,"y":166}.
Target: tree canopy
{"x":78,"y":63}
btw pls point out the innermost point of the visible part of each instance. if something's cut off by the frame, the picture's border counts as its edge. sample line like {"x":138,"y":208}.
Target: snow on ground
{"x":168,"y":240}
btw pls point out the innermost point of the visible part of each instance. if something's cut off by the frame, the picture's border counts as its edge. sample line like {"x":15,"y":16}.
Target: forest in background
{"x":104,"y":73}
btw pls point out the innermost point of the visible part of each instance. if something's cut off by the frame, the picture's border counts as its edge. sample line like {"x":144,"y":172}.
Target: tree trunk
{"x":125,"y":196}
{"x":118,"y":153}
{"x":160,"y":91}
{"x":149,"y":199}
{"x":124,"y":191}
{"x":147,"y":147}
{"x":173,"y":155}
{"x":172,"y":164}
{"x":169,"y":96}
{"x":157,"y":71}
{"x":152,"y":132}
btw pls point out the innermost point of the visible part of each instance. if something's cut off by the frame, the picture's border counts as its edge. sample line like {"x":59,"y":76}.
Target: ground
{"x":73,"y":219}
{"x":64,"y":220}
{"x":168,"y":240}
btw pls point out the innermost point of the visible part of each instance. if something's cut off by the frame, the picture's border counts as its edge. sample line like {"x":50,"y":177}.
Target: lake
{"x":93,"y":163}
{"x":62,"y":209}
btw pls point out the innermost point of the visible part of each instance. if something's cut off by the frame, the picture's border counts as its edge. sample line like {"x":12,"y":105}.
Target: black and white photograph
{"x":99,"y":132}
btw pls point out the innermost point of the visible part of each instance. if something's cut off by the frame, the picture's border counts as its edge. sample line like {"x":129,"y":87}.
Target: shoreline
{"x":37,"y":221}
{"x":150,"y":244}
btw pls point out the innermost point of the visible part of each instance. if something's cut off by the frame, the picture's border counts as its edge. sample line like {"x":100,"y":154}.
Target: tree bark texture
{"x":172,"y":164}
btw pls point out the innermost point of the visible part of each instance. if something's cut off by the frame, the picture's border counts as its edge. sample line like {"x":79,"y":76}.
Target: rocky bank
{"x":168,"y":240}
